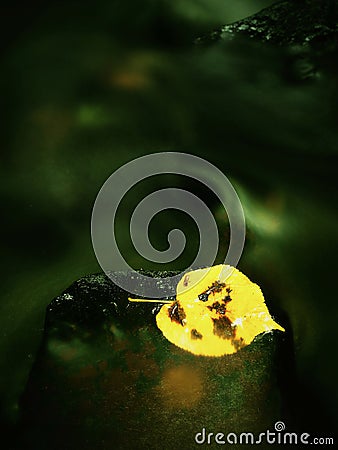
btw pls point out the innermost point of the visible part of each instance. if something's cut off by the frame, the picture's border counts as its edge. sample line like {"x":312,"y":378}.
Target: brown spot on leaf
{"x":214,"y":288}
{"x":220,"y":309}
{"x":238,"y":343}
{"x":223,"y":328}
{"x":176,"y":313}
{"x":195,"y":334}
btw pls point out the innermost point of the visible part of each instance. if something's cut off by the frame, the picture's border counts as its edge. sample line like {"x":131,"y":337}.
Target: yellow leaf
{"x":217,"y":311}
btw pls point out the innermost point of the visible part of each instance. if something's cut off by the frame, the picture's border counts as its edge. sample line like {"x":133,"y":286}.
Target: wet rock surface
{"x":105,"y":377}
{"x":303,"y":22}
{"x":306,"y":29}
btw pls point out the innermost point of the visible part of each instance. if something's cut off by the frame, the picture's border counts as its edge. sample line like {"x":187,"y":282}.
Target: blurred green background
{"x":87,"y":87}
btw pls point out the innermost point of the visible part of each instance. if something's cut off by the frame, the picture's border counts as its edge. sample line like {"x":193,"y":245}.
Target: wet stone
{"x":306,"y":29}
{"x":287,"y":22}
{"x":105,"y":377}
